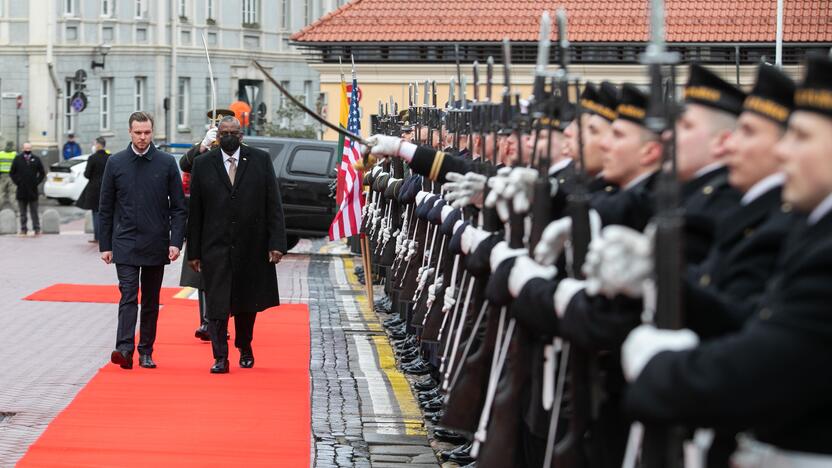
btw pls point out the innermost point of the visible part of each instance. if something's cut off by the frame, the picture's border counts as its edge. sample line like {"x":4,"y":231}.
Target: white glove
{"x":552,"y":240}
{"x":383,"y":145}
{"x":502,"y":252}
{"x":450,"y":299}
{"x":618,"y":262}
{"x":463,"y":190}
{"x":471,"y":238}
{"x":646,"y":341}
{"x":498,"y":185}
{"x":411,"y":250}
{"x":524,"y":270}
{"x":520,"y":189}
{"x":557,"y":233}
{"x":432,"y":291}
{"x":420,"y":197}
{"x":210,"y":137}
{"x":564,"y":293}
{"x":446,"y":211}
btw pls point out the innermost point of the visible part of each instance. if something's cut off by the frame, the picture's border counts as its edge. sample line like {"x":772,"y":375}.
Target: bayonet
{"x":211,"y":80}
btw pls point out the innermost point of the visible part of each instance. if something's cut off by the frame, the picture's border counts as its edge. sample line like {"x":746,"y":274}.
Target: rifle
{"x":662,"y":445}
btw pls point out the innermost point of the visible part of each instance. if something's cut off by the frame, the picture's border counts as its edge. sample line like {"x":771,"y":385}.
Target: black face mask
{"x":27,"y":153}
{"x":229,"y":143}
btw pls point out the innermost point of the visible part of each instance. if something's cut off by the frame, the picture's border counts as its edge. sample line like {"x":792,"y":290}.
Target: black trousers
{"x":130,"y":279}
{"x":243,"y":334}
{"x":32,"y":206}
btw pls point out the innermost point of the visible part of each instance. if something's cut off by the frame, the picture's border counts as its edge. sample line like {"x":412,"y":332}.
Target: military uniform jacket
{"x":706,"y":200}
{"x":722,"y":292}
{"x":632,"y":207}
{"x":772,"y":377}
{"x":231,"y":229}
{"x":435,"y":165}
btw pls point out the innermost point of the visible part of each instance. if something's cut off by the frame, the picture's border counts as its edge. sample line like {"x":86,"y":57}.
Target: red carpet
{"x":179,"y":414}
{"x":108,"y":294}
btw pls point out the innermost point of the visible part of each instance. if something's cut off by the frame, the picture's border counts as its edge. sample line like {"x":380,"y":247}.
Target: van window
{"x":310,"y":161}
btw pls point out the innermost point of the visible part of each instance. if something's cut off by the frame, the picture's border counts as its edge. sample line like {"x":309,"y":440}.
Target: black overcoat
{"x":141,"y":207}
{"x":187,"y":276}
{"x":231,"y":230}
{"x":771,"y":378}
{"x":94,"y":172}
{"x":27,"y":176}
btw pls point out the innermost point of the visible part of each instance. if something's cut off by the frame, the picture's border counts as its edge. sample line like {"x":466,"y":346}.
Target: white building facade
{"x":143,"y":55}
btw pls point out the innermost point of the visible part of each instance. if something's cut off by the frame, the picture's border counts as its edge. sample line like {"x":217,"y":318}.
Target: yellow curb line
{"x":411,"y":416}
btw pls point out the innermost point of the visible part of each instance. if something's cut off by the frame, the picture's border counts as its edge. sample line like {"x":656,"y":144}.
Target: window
{"x":106,"y":102}
{"x":183,"y":101}
{"x":141,"y":86}
{"x":208,"y":96}
{"x":107,"y":7}
{"x":70,"y":116}
{"x":141,"y":9}
{"x":307,"y":14}
{"x":250,"y":10}
{"x":141,"y":35}
{"x":307,"y":97}
{"x":210,"y":9}
{"x":107,"y":34}
{"x":183,"y":9}
{"x":310,"y":161}
{"x":69,"y":7}
{"x":286,"y":19}
{"x":281,"y":98}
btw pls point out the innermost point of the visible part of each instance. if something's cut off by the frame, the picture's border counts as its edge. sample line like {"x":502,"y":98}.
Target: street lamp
{"x":102,"y":50}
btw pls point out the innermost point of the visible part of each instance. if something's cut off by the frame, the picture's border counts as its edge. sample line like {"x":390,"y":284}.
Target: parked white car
{"x":65,"y":180}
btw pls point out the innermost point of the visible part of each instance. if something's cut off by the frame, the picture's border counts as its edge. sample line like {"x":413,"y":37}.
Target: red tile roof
{"x":589,"y":21}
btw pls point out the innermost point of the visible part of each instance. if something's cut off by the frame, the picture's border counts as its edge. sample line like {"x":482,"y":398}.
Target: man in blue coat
{"x":142,"y":225}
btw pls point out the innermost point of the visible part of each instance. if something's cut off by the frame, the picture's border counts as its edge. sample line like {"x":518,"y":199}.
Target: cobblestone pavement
{"x":363,"y":413}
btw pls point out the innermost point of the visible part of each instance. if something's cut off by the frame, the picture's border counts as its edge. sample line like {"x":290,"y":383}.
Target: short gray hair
{"x":230,"y":119}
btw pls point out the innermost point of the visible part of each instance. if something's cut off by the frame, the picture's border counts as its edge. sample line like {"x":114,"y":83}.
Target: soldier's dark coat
{"x":231,"y":230}
{"x":706,"y":200}
{"x":771,"y":377}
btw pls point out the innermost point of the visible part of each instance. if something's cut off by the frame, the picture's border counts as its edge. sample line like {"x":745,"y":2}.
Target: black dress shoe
{"x":445,"y":435}
{"x":426,"y":384}
{"x":246,"y":359}
{"x":122,"y":358}
{"x":220,"y":366}
{"x":445,"y":455}
{"x":202,"y":333}
{"x":146,"y":361}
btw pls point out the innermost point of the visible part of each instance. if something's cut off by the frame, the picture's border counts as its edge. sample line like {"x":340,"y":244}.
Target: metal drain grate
{"x":4,"y":416}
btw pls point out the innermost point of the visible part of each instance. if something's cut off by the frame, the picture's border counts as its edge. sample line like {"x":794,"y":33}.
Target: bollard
{"x":50,"y":222}
{"x":8,"y":221}
{"x":88,"y":229}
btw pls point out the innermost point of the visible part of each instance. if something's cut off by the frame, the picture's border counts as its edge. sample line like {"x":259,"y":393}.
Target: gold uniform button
{"x":608,"y":188}
{"x":705,"y":280}
{"x":707,"y":190}
{"x":748,"y":232}
{"x":765,"y":313}
{"x":786,"y":208}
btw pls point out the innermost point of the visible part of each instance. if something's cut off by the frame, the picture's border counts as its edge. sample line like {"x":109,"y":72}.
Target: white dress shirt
{"x":235,"y":157}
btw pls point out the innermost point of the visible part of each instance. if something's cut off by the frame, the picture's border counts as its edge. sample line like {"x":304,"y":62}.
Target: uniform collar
{"x":559,"y":166}
{"x":638,"y":180}
{"x":708,"y":169}
{"x":764,"y":185}
{"x":821,"y":210}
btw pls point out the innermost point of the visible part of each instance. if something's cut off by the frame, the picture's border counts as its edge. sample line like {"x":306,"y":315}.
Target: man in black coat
{"x":27,"y":173}
{"x":142,"y":222}
{"x":94,"y":172}
{"x":236,"y":235}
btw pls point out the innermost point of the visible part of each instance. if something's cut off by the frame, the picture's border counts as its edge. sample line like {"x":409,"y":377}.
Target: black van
{"x":306,"y":173}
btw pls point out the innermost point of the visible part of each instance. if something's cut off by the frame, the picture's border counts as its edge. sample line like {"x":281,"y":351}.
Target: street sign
{"x":78,"y":102}
{"x":10,"y":95}
{"x":19,"y":101}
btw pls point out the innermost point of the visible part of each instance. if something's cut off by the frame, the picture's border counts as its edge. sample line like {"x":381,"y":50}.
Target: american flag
{"x":347,"y":221}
